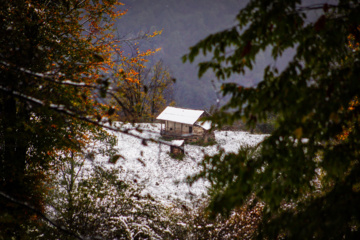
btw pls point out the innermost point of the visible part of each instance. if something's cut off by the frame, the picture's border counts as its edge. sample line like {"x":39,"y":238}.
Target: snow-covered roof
{"x":205,"y":125}
{"x":177,"y":143}
{"x":180,"y":115}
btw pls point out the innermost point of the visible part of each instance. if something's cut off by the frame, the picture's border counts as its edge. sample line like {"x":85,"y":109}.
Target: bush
{"x":202,"y":143}
{"x":176,"y":156}
{"x":96,"y":203}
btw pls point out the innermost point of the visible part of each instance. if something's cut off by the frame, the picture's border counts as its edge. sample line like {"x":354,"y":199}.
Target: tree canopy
{"x":55,"y":63}
{"x":307,"y":172}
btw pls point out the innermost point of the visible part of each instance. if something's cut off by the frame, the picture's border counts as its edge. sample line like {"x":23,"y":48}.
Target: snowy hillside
{"x":162,"y":176}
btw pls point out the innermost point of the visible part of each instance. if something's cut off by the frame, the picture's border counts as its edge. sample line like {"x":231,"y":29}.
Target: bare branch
{"x":315,"y":7}
{"x":63,"y":110}
{"x":50,"y":77}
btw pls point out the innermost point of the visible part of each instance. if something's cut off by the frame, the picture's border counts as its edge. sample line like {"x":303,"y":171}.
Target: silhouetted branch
{"x":62,"y":109}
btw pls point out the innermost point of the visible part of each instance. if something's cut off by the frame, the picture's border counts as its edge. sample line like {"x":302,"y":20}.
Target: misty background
{"x":183,"y":24}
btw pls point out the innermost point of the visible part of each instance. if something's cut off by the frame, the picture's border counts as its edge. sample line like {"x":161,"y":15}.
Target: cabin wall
{"x":198,"y":130}
{"x":182,"y":132}
{"x":177,"y":128}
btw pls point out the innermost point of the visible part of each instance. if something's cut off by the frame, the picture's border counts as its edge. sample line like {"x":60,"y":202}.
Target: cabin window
{"x":170,"y":129}
{"x":190,"y":129}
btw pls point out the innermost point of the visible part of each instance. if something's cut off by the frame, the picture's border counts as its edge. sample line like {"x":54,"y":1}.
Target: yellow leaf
{"x":298,"y":132}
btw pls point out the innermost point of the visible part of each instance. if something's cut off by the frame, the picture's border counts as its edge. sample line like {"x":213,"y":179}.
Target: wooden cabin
{"x":182,"y":123}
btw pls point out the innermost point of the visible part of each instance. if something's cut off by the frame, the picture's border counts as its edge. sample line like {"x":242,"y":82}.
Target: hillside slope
{"x":162,"y":176}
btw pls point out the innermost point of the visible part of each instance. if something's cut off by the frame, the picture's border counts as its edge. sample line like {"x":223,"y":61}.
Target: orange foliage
{"x":344,"y":135}
{"x":90,"y":44}
{"x":354,"y":46}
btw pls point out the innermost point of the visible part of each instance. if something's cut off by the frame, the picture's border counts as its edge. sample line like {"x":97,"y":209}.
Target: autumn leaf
{"x":298,"y":132}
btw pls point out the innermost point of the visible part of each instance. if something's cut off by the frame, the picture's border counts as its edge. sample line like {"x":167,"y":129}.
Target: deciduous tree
{"x":308,"y":180}
{"x":54,"y":61}
{"x":143,"y":89}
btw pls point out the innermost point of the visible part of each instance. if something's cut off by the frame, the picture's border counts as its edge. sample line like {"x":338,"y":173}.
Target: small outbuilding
{"x":177,"y":147}
{"x":185,"y":124}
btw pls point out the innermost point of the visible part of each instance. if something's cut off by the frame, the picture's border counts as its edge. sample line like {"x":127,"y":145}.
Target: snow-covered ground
{"x":162,"y":176}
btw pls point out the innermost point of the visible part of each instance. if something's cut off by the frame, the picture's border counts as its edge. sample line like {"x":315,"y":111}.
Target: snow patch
{"x":162,"y":176}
